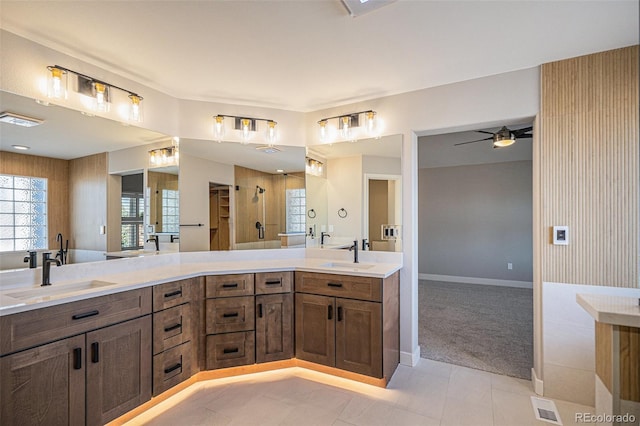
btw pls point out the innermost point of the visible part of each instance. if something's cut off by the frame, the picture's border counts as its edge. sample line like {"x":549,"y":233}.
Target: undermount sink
{"x":57,"y":291}
{"x":348,"y":265}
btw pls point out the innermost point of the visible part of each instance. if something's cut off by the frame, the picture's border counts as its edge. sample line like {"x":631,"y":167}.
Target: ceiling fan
{"x":503,"y":137}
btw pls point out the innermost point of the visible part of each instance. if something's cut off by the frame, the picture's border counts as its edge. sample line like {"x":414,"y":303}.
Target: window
{"x":132,"y":235}
{"x":296,"y":208}
{"x":170,"y":211}
{"x":23,"y":213}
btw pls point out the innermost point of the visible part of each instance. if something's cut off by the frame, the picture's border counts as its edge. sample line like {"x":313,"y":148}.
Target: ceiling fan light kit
{"x":503,"y":137}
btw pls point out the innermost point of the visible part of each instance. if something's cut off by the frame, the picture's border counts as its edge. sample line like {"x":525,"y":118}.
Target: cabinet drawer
{"x":229,"y":285}
{"x":274,"y":282}
{"x":171,"y":327}
{"x":32,"y":328}
{"x":171,"y":367}
{"x":347,"y":286}
{"x":172,"y":294}
{"x":230,"y":350}
{"x":230,"y":314}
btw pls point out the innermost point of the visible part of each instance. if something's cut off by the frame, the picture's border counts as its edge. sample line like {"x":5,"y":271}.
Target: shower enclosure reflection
{"x":269,"y":209}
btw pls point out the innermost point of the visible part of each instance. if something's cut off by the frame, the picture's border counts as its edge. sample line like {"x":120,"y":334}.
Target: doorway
{"x":475,"y":253}
{"x":382,"y":219}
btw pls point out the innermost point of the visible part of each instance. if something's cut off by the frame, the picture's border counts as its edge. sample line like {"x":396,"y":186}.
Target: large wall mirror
{"x":354,"y":192}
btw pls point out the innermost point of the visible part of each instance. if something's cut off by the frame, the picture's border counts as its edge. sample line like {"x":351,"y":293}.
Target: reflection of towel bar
{"x":192,"y":224}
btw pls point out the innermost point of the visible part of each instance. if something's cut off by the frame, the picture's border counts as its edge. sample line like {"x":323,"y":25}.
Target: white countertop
{"x":617,"y":310}
{"x":20,"y":291}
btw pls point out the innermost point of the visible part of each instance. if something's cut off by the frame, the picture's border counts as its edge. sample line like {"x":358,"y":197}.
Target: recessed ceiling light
{"x":19,"y":120}
{"x":21,"y":147}
{"x":280,"y":171}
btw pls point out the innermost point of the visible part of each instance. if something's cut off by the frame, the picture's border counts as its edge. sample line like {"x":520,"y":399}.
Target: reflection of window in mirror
{"x":170,"y":210}
{"x":296,"y":209}
{"x":132,"y":230}
{"x":23,"y":213}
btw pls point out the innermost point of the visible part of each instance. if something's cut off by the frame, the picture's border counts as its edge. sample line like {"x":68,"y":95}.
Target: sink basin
{"x":347,"y":265}
{"x":57,"y":291}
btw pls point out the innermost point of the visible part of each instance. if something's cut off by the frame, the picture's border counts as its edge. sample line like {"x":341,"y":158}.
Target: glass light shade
{"x":57,"y":83}
{"x":100,"y":103}
{"x":135,"y":109}
{"x":371,"y":123}
{"x":218,"y":128}
{"x":501,"y":143}
{"x":245,"y":127}
{"x":345,"y":127}
{"x":271,"y":133}
{"x":324,"y":131}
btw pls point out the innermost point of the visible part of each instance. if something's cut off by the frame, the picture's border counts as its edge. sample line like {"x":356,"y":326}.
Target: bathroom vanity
{"x":88,"y":351}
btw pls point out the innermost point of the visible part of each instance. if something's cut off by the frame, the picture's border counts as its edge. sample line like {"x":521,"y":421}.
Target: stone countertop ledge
{"x":617,"y":310}
{"x":21,"y":291}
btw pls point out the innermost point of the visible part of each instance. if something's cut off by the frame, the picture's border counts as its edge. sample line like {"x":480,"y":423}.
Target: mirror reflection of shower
{"x":260,"y":225}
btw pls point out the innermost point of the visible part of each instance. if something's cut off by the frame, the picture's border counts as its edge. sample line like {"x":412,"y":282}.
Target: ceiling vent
{"x":19,"y":120}
{"x":268,"y":149}
{"x":360,"y":7}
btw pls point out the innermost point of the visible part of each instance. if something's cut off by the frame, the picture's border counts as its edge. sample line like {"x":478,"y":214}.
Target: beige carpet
{"x":489,"y":328}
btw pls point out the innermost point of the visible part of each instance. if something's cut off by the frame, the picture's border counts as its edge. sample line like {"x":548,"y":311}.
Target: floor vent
{"x":546,"y":410}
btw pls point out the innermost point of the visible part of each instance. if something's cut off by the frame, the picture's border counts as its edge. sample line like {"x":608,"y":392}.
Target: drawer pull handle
{"x":85,"y":315}
{"x":174,"y":368}
{"x":330,"y":312}
{"x":230,"y":351}
{"x":231,"y":285}
{"x":173,"y":327}
{"x":339,"y":313}
{"x":273,"y":282}
{"x":334,"y":284}
{"x":95,"y":352}
{"x":77,"y":359}
{"x":259,"y":310}
{"x":173,"y":293}
{"x":230,"y":315}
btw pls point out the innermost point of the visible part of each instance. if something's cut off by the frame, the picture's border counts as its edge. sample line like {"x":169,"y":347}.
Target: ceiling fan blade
{"x":522,"y":132}
{"x":479,"y":140}
{"x":524,"y":136}
{"x":482,"y":131}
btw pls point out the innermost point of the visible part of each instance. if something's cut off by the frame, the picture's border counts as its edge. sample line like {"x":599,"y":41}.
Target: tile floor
{"x":432,"y":393}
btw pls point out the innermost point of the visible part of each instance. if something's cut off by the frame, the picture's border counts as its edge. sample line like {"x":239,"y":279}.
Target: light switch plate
{"x":561,"y":235}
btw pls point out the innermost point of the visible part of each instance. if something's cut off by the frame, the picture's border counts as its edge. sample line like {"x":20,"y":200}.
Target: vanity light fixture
{"x":89,"y":86}
{"x":347,"y":125}
{"x":314,"y":167}
{"x":247,"y":127}
{"x":160,"y":157}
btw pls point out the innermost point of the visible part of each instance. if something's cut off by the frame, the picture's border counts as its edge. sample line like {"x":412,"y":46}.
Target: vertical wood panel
{"x":88,"y":202}
{"x":589,"y":168}
{"x":630,"y":363}
{"x":57,"y":173}
{"x":604,"y":360}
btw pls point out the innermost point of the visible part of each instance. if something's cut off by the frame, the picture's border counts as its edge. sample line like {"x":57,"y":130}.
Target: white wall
{"x":344,"y":191}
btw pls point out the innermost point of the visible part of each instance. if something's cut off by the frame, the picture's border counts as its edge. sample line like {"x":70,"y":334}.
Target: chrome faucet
{"x":32,"y":258}
{"x":156,"y":240}
{"x":46,"y":268}
{"x":354,"y":248}
{"x":323,"y":235}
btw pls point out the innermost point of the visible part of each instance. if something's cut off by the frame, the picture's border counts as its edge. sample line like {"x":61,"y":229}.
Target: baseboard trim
{"x":474,"y":280}
{"x":410,"y":358}
{"x":538,"y":385}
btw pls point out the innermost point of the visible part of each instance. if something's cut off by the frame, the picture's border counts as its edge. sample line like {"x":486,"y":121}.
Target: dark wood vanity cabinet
{"x":94,"y":353}
{"x":348,"y":322}
{"x":274,"y":316}
{"x":175,"y":320}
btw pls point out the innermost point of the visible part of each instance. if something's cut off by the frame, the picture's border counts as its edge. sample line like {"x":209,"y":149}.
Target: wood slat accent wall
{"x":88,"y":201}
{"x":589,"y":168}
{"x":57,"y":173}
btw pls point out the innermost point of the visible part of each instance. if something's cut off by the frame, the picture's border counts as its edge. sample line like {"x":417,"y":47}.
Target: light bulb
{"x":271,"y":132}
{"x":218,"y":128}
{"x":371,"y":123}
{"x":57,"y":84}
{"x":152,"y":157}
{"x":135,"y":111}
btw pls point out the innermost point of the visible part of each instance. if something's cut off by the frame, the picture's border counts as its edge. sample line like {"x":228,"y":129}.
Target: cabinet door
{"x":274,"y":327}
{"x":315,"y":328}
{"x":118,"y":369}
{"x":359,"y":336}
{"x":44,"y":385}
